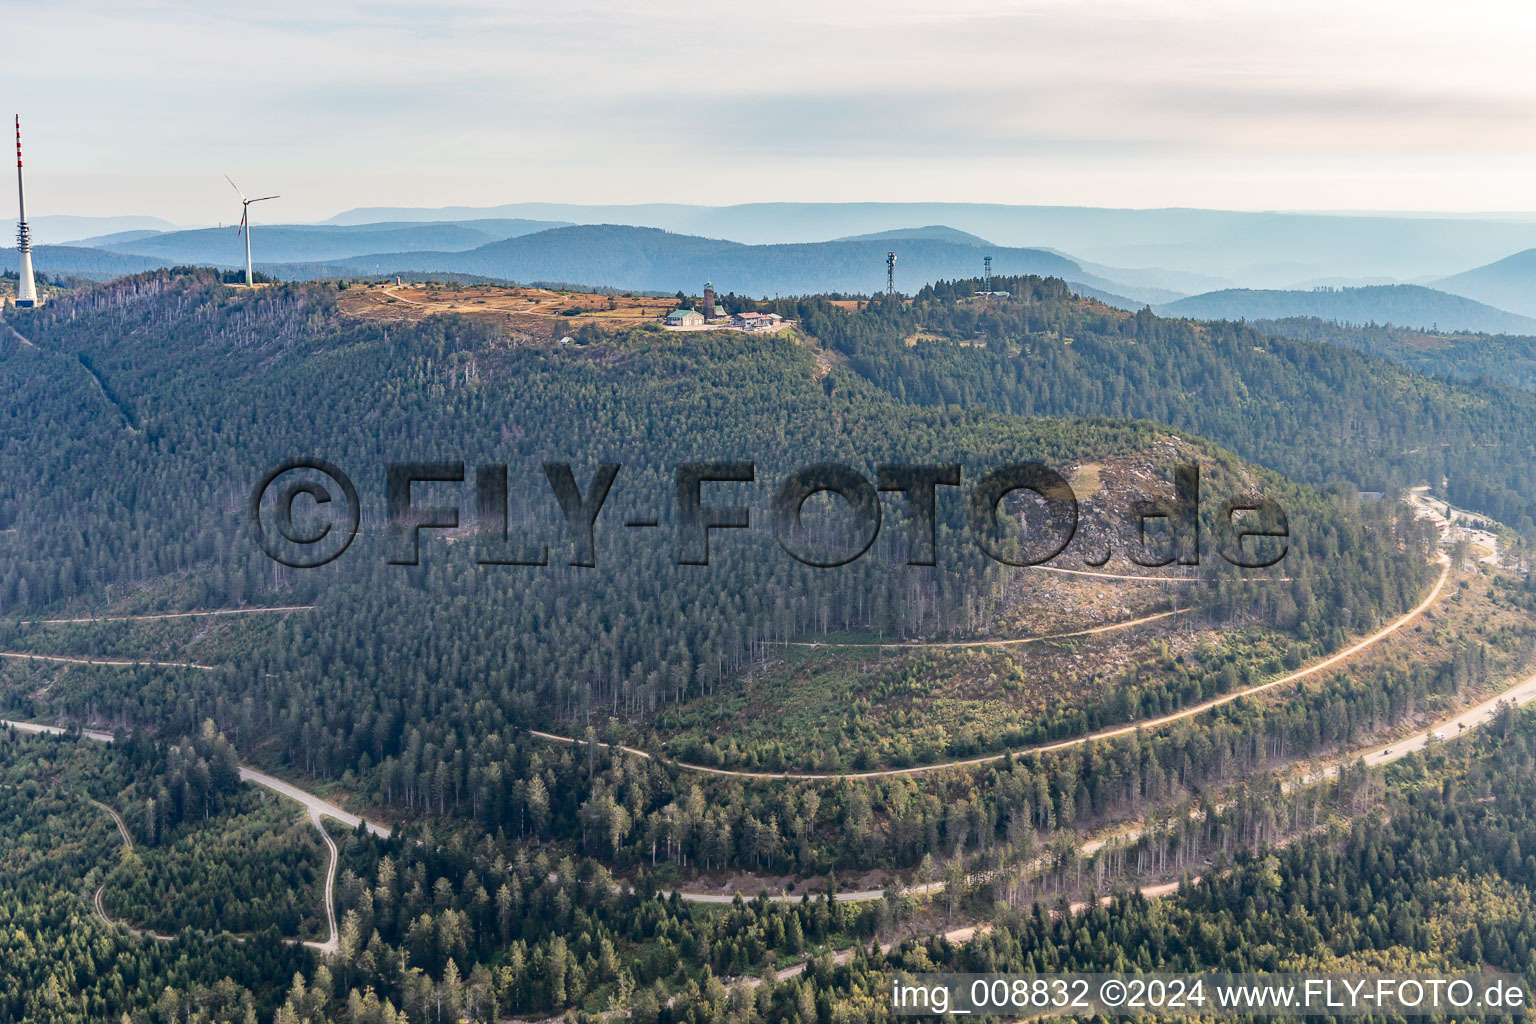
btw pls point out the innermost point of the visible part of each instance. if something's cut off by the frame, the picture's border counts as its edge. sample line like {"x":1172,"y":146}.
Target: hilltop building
{"x":757,"y":321}
{"x":685,"y":318}
{"x":709,"y":301}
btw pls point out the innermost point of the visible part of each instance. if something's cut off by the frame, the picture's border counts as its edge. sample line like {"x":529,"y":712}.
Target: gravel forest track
{"x":316,"y":807}
{"x":116,"y":662}
{"x":170,"y":615}
{"x":1076,"y":741}
{"x":390,"y":291}
{"x":333,"y":940}
{"x":64,"y":659}
{"x":1378,"y":755}
{"x":1107,"y":628}
{"x":1374,"y":756}
{"x":26,"y":342}
{"x":122,"y":829}
{"x":101,"y":912}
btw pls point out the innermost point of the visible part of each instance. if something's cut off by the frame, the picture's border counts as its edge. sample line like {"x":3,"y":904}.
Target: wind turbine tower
{"x":26,"y":286}
{"x":245,"y":226}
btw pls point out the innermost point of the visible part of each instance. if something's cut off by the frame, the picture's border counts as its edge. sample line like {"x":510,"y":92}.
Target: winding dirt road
{"x":1460,"y":724}
{"x":118,"y":662}
{"x":315,"y":806}
{"x":122,"y":829}
{"x":1375,"y":756}
{"x":130,"y":662}
{"x":390,"y":291}
{"x":317,"y":809}
{"x":1109,"y":628}
{"x":110,"y":922}
{"x":171,"y":615}
{"x":1076,"y":741}
{"x":333,"y":941}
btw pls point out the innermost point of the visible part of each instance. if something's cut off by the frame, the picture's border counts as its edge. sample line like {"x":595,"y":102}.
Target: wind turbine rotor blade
{"x":241,"y":228}
{"x":234,"y":186}
{"x":263,"y":199}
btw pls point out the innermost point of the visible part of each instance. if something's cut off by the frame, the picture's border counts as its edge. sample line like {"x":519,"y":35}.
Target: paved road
{"x":318,"y":808}
{"x":54,"y":730}
{"x":1077,"y":741}
{"x":1110,"y":628}
{"x":315,"y":806}
{"x":1480,"y":714}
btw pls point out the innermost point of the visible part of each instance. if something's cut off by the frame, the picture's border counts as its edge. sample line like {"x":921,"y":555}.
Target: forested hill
{"x":1508,"y":359}
{"x":1403,"y":304}
{"x":147,"y":409}
{"x":70,"y":259}
{"x":1316,"y":412}
{"x":141,"y":413}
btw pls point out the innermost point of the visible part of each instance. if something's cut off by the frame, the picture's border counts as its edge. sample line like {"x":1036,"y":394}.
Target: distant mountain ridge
{"x":650,"y":259}
{"x":1509,"y":283}
{"x":616,"y":256}
{"x":68,"y":229}
{"x":1403,"y":305}
{"x":307,"y":243}
{"x":933,"y":232}
{"x":81,"y":262}
{"x":1265,"y":249}
{"x":654,"y":260}
{"x":1188,"y":251}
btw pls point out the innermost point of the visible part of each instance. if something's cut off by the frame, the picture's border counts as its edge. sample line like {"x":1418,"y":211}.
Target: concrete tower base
{"x":26,"y":285}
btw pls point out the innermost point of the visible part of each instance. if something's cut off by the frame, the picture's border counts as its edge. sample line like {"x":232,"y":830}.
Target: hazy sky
{"x":1286,"y":104}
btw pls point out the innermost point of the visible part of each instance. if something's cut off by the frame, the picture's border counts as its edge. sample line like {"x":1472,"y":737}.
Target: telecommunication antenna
{"x":26,"y":286}
{"x":245,"y":226}
{"x":987,"y":263}
{"x":890,"y":273}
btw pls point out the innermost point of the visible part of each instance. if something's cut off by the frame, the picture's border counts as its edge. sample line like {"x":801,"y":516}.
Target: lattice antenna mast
{"x":890,"y":273}
{"x":987,"y":273}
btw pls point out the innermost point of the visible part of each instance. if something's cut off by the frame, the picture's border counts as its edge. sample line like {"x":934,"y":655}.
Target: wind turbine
{"x":245,"y":226}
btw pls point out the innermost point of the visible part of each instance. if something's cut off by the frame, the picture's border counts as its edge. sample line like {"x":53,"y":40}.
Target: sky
{"x":1342,"y":105}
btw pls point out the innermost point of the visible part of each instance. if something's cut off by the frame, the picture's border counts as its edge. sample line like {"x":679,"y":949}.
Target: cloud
{"x":1119,"y":101}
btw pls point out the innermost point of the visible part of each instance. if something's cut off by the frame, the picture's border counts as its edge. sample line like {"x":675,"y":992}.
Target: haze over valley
{"x":1424,"y":271}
